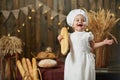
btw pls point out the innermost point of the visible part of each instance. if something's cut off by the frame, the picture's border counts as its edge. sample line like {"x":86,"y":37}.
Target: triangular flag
{"x":61,"y":17}
{"x":6,"y":13}
{"x":53,"y":14}
{"x":16,"y":13}
{"x":30,"y":6}
{"x":38,"y":4}
{"x":25,"y":10}
{"x":45,"y":9}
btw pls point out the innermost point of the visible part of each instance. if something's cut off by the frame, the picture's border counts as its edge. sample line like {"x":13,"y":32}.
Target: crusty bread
{"x":64,"y":42}
{"x":25,"y":67}
{"x":30,"y":68}
{"x":46,"y":55}
{"x":21,"y":69}
{"x":34,"y":65}
{"x":47,"y":63}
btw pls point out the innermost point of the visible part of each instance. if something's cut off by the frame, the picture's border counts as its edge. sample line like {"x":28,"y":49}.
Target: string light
{"x":59,"y":23}
{"x":33,"y":10}
{"x":68,"y":28}
{"x":45,"y":12}
{"x":30,"y":17}
{"x":8,"y":34}
{"x":112,"y":14}
{"x":86,"y":29}
{"x":18,"y":30}
{"x":119,"y":7}
{"x":51,"y":18}
{"x":23,"y":24}
{"x":39,"y":5}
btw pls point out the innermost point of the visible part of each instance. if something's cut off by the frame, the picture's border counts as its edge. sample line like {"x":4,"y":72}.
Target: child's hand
{"x":60,"y":37}
{"x":108,"y":42}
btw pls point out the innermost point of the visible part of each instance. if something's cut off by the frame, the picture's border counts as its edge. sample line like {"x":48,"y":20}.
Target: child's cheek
{"x":84,"y":23}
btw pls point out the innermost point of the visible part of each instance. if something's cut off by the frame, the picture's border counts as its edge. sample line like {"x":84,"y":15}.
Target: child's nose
{"x":80,"y":20}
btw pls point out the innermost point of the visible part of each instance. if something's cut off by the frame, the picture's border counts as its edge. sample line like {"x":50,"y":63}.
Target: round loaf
{"x":47,"y":63}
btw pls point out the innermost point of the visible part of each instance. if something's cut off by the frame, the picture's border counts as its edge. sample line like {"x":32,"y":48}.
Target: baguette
{"x":64,"y":42}
{"x":34,"y":65}
{"x":21,"y":69}
{"x":30,"y":69}
{"x":25,"y":66}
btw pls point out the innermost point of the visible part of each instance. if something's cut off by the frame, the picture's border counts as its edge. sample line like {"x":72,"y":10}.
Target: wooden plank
{"x":61,"y":6}
{"x":3,"y":4}
{"x":22,"y":20}
{"x":118,"y":8}
{"x":22,"y":3}
{"x":67,"y":6}
{"x":80,"y":3}
{"x":55,"y":5}
{"x":16,"y":4}
{"x":28,"y":31}
{"x":3,"y":30}
{"x":73,"y":4}
{"x":93,"y":4}
{"x":113,"y":6}
{"x":44,"y":28}
{"x":55,"y":24}
{"x":87,"y":4}
{"x":50,"y":3}
{"x":16,"y":7}
{"x":9,"y":4}
{"x":38,"y":31}
{"x":107,"y":4}
{"x":99,"y":4}
{"x":50,"y":26}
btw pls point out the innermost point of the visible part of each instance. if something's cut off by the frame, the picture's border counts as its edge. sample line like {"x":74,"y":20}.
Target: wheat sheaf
{"x":10,"y":45}
{"x":101,"y":23}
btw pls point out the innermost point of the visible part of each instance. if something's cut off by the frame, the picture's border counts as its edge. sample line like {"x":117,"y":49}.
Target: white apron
{"x":80,"y":63}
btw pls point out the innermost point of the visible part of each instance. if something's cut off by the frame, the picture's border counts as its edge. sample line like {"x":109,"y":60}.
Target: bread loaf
{"x":25,"y":66}
{"x":64,"y":42}
{"x":47,"y":63}
{"x":29,"y":64}
{"x":34,"y":65}
{"x":20,"y":67}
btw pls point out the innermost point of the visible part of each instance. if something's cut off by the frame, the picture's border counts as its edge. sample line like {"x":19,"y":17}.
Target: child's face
{"x":79,"y":23}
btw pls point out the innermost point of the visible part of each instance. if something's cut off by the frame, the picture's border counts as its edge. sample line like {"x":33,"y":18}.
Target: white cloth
{"x":73,"y":13}
{"x":80,"y":62}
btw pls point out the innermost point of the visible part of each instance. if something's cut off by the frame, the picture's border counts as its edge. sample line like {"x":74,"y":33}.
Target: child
{"x":80,"y":63}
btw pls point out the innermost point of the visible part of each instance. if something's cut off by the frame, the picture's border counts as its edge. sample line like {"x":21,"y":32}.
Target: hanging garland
{"x":33,"y":8}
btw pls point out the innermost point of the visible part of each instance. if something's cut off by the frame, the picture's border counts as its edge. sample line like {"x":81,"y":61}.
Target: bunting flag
{"x":53,"y":14}
{"x":6,"y":13}
{"x":45,"y":9}
{"x":16,"y":13}
{"x":25,"y":10}
{"x":61,"y":17}
{"x":30,"y":6}
{"x":38,"y":4}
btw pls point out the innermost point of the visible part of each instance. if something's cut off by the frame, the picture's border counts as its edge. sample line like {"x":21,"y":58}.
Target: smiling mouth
{"x":80,"y":25}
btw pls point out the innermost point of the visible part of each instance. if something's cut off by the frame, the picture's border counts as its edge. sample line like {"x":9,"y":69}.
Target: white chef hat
{"x":73,"y":13}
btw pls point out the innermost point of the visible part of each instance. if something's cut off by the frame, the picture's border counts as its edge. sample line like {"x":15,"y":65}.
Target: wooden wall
{"x":40,"y":31}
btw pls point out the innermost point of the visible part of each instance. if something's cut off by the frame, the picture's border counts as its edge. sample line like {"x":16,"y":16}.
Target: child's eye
{"x":83,"y":20}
